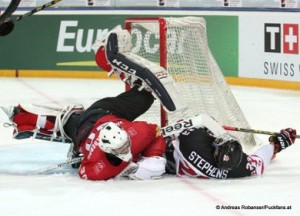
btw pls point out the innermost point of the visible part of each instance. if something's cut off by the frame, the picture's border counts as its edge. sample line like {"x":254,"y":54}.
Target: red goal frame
{"x":163,"y":50}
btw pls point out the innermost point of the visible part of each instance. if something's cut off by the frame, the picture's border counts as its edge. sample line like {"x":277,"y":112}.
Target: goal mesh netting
{"x":180,"y":45}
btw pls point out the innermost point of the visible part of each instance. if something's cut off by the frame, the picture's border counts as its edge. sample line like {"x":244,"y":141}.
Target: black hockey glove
{"x":283,"y":140}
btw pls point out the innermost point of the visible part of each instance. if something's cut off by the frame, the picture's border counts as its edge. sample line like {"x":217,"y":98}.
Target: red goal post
{"x":163,"y":50}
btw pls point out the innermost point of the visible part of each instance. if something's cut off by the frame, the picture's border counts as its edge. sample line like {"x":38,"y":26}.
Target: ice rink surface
{"x":23,"y":192}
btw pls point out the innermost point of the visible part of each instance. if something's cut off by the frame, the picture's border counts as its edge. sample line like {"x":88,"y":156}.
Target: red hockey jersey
{"x":145,"y":141}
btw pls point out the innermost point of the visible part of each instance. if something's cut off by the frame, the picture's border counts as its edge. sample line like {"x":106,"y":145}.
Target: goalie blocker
{"x":118,"y":47}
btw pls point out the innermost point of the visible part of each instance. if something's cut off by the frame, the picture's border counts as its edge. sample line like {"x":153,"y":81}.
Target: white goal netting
{"x":180,"y":45}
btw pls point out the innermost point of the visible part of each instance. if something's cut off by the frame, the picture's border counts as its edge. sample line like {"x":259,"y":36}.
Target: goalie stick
{"x":67,"y":162}
{"x":7,"y":26}
{"x":197,"y":121}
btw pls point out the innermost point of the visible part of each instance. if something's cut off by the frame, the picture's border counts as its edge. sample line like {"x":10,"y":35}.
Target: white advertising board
{"x":164,"y":3}
{"x":269,"y":47}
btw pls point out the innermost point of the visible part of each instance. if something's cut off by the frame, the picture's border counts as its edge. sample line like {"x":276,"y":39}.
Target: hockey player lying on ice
{"x":113,"y":144}
{"x":208,"y":151}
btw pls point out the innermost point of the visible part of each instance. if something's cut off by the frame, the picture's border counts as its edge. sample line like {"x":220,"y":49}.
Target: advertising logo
{"x":291,"y":38}
{"x":282,"y":38}
{"x":72,"y":38}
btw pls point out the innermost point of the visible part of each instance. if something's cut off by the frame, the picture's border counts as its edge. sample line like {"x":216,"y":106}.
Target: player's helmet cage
{"x":228,"y":152}
{"x":114,"y":140}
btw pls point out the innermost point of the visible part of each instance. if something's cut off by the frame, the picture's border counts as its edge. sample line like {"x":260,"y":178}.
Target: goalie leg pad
{"x":124,"y":63}
{"x":179,"y":102}
{"x":202,"y":120}
{"x":39,"y":121}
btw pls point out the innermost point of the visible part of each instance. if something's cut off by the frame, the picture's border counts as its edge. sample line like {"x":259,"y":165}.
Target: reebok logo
{"x":282,"y":38}
{"x":178,"y":126}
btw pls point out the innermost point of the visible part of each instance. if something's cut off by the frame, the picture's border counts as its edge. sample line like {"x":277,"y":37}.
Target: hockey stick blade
{"x":67,"y":162}
{"x":7,"y":26}
{"x":230,"y":128}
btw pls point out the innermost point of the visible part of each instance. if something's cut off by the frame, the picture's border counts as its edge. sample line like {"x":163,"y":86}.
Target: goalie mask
{"x":114,"y":140}
{"x":228,"y":153}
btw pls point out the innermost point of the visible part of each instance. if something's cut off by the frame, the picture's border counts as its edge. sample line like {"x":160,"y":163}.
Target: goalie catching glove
{"x":283,"y":140}
{"x":149,"y":168}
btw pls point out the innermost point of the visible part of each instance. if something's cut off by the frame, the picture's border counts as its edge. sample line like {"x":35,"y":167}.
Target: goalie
{"x":111,"y":143}
{"x":105,"y":134}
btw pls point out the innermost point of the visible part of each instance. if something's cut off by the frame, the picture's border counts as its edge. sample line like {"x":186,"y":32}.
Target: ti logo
{"x":282,"y":38}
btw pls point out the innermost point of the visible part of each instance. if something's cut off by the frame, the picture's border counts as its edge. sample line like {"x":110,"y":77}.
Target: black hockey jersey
{"x":194,"y":157}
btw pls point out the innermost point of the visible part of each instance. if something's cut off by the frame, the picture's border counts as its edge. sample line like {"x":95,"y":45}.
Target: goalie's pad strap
{"x":40,"y":136}
{"x":61,"y":117}
{"x":123,"y":63}
{"x":42,"y":109}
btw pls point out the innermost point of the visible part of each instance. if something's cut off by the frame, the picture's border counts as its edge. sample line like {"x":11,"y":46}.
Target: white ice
{"x":63,"y":193}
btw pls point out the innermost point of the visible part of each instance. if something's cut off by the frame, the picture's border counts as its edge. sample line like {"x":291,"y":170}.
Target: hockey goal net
{"x":180,"y":45}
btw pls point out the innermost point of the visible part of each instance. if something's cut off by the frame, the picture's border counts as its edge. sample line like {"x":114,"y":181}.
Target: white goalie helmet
{"x":114,"y":140}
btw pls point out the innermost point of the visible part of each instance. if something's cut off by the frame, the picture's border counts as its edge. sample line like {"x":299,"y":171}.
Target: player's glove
{"x":149,"y":168}
{"x":283,"y":140}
